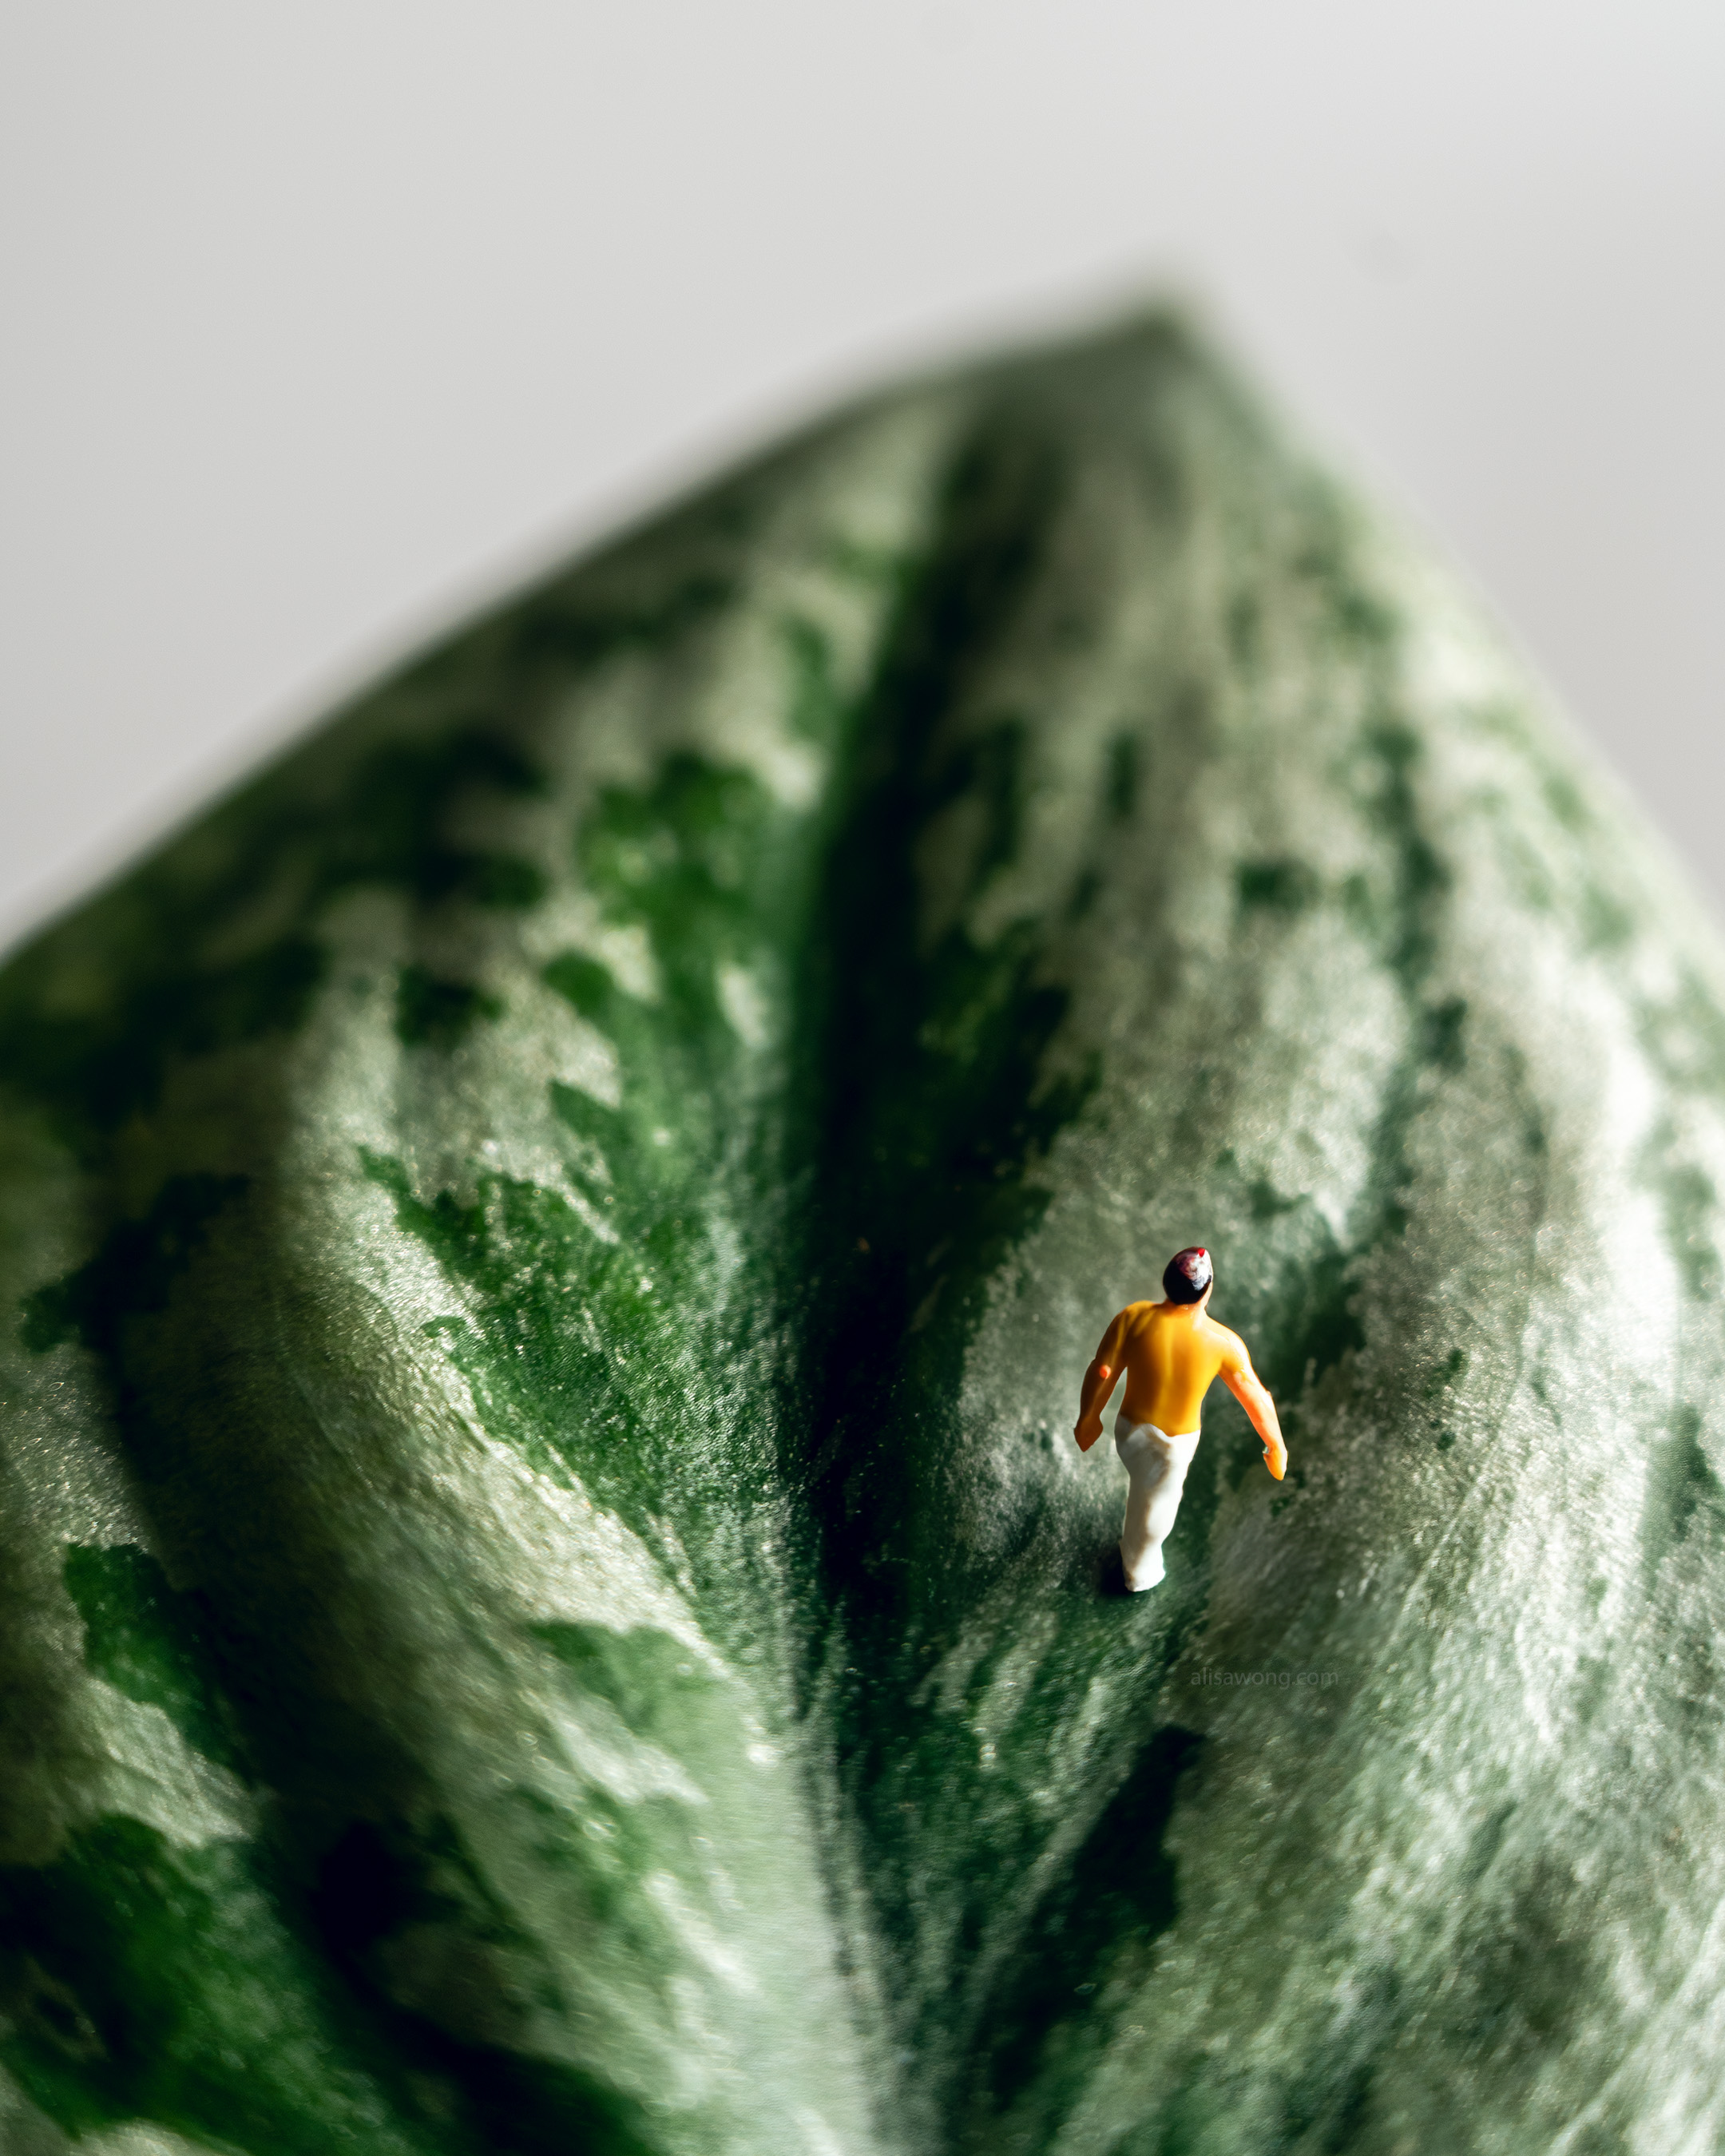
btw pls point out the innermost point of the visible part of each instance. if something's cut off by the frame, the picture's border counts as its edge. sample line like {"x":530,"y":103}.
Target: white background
{"x":324,"y":320}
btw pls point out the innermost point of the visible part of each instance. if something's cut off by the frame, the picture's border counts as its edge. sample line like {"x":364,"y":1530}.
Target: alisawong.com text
{"x":1275,"y":1680}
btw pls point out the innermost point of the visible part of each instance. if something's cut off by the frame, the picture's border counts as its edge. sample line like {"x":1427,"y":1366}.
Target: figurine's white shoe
{"x":1150,"y":1573}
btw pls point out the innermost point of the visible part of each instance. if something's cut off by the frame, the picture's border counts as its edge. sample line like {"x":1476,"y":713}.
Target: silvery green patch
{"x":548,"y":1247}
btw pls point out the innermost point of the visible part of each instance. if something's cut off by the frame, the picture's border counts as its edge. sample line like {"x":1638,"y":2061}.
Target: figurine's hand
{"x":1276,"y":1459}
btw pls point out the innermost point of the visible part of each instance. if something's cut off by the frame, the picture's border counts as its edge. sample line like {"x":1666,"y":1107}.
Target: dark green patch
{"x":1085,"y":891}
{"x":142,"y":1980}
{"x":133,"y":1273}
{"x":1280,"y":886}
{"x":506,"y":885}
{"x":151,"y":1644}
{"x":564,"y":632}
{"x":1327,"y":558}
{"x":1043,"y":2024}
{"x":1521,"y":1981}
{"x":1440,"y":1043}
{"x":987,"y":767}
{"x":393,"y":827}
{"x":1327,"y":2110}
{"x":593,"y":1120}
{"x":1484,"y":1842}
{"x":1369,"y":906}
{"x":157,"y":982}
{"x":1685,"y":1037}
{"x":818,"y":710}
{"x":1245,"y":625}
{"x":1422,"y":879}
{"x":92,"y":1068}
{"x":1310,"y":1321}
{"x":1564,"y":799}
{"x":587,"y":985}
{"x":653,"y":1681}
{"x":1684,"y":1494}
{"x":1200,"y":2114}
{"x":692,"y":857}
{"x":1606,"y":925}
{"x":522,"y":2105}
{"x":1693,"y":1481}
{"x":377,"y":1882}
{"x":433,"y":1013}
{"x":1120,"y":790}
{"x":559,"y":1331}
{"x":877,"y":568}
{"x":1690,"y":1205}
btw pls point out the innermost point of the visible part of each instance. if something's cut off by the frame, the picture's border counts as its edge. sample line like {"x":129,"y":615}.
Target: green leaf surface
{"x":549,"y":1603}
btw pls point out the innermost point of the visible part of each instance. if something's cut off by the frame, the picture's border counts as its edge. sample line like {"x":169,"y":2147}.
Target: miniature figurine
{"x":1169,"y":1351}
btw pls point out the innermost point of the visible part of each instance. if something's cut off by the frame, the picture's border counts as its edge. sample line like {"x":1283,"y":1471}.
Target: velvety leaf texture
{"x":547,"y":1249}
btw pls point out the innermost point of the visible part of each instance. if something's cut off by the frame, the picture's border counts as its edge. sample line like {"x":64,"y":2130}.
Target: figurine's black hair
{"x":1187,"y":1274}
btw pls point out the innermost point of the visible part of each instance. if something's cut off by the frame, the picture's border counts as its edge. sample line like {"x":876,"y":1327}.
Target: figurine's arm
{"x":1243,"y":1381}
{"x":1099,"y":1381}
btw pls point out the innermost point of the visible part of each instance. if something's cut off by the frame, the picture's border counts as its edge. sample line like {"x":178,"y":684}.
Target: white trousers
{"x":1156,"y":1466}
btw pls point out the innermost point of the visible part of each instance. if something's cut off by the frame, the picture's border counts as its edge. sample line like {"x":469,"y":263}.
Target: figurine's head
{"x":1188,"y":1275}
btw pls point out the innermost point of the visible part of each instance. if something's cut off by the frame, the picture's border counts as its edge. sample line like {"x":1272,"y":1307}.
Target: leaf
{"x":549,"y":1600}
